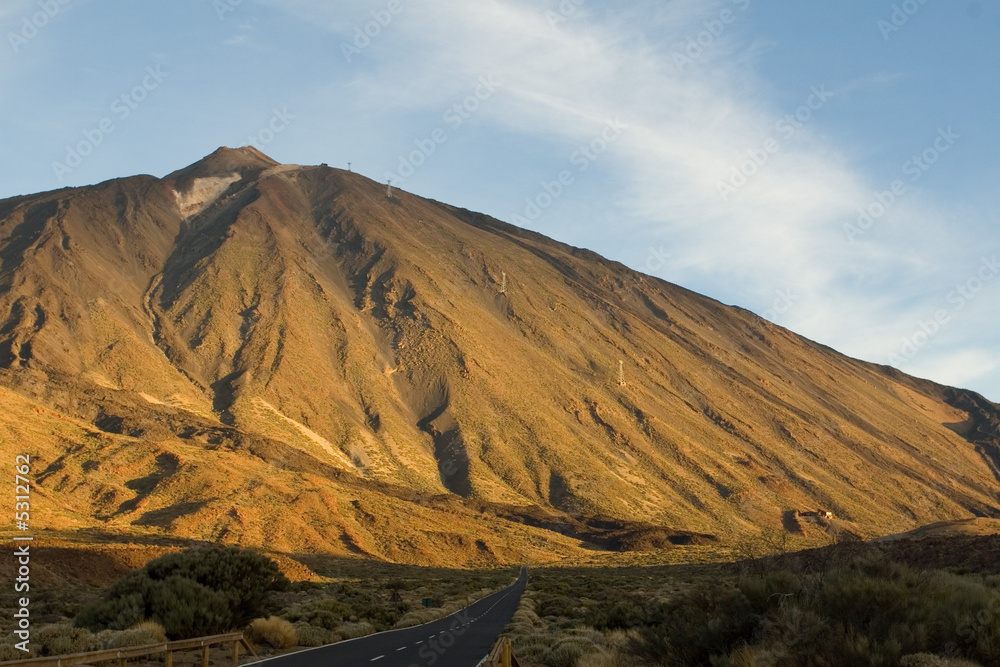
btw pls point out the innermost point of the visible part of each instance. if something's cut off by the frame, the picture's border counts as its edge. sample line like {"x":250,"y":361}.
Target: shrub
{"x":419,"y":617}
{"x":183,"y":607}
{"x":154,"y":629}
{"x":277,"y":632}
{"x":602,"y":659}
{"x":190,"y":594}
{"x":704,"y":622}
{"x":791,"y":629}
{"x":63,"y":639}
{"x":767,"y":591}
{"x":326,"y":613}
{"x":353,"y":631}
{"x":523,"y":621}
{"x":621,"y":616}
{"x":555,"y":605}
{"x":546,"y":650}
{"x":927,"y":660}
{"x":310,"y":635}
{"x":565,"y":655}
{"x":132,"y":637}
{"x":750,"y":656}
{"x":243,"y":578}
{"x":10,"y":652}
{"x":366,"y":605}
{"x":872,"y":613}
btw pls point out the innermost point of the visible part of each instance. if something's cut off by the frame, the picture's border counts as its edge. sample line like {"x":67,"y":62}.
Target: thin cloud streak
{"x":687,"y":130}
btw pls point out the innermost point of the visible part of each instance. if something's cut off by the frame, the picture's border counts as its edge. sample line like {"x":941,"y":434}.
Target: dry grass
{"x":153,"y":629}
{"x":275,"y":632}
{"x":605,"y":659}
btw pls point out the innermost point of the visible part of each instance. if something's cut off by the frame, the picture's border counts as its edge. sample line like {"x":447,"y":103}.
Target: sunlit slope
{"x":304,"y":306}
{"x":244,"y":492}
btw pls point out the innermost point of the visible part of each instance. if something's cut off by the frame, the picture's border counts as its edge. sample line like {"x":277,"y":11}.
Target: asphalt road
{"x":460,"y":640}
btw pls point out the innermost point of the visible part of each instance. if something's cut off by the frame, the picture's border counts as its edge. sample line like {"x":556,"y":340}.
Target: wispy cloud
{"x":694,"y":114}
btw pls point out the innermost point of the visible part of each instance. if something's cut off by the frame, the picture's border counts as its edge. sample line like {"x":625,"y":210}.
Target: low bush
{"x":11,"y":652}
{"x":603,"y":659}
{"x":703,"y":622}
{"x":154,"y":629}
{"x":310,"y":635}
{"x":132,"y":637}
{"x":63,"y":639}
{"x":419,"y":617}
{"x":870,"y":612}
{"x":353,"y":631}
{"x":927,"y":660}
{"x":326,"y":613}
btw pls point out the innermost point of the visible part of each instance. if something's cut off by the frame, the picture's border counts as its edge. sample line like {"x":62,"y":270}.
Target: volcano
{"x":286,"y":356}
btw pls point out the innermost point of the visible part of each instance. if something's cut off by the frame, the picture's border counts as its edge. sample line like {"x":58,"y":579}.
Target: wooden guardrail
{"x":502,"y":655}
{"x":122,"y":655}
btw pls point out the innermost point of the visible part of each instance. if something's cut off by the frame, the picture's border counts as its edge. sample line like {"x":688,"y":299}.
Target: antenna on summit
{"x":388,"y":189}
{"x":348,"y":166}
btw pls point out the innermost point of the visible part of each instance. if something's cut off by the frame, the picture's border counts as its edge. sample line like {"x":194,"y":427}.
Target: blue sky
{"x":829,"y":165}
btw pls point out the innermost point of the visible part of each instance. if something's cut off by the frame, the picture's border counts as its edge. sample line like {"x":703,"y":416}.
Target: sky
{"x":830,"y":165}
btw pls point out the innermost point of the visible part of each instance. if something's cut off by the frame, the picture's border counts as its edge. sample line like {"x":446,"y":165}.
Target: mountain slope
{"x":302,"y":306}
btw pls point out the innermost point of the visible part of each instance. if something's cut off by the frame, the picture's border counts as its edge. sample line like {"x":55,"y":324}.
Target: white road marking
{"x":378,"y":658}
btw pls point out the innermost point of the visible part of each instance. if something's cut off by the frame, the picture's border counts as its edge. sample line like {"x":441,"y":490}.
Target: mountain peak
{"x":225,"y":161}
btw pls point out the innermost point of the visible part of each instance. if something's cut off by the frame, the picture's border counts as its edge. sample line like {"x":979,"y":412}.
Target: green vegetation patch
{"x":198,"y":592}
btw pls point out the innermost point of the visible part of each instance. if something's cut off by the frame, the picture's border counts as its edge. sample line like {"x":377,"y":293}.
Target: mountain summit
{"x":277,"y":354}
{"x":223,"y":162}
